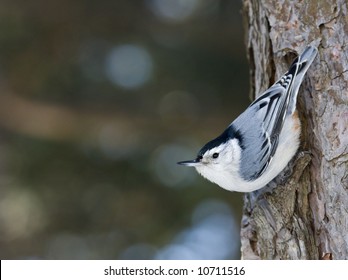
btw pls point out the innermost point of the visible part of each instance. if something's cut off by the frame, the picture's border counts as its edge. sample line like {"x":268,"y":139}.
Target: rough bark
{"x":303,"y":214}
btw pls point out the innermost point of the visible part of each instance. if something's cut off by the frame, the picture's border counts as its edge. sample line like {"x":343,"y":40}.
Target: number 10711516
{"x":215,"y":270}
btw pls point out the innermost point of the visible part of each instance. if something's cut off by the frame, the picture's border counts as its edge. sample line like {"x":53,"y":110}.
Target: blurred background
{"x":98,"y":101}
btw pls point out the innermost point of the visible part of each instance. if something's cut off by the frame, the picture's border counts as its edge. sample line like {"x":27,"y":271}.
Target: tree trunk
{"x":306,"y":215}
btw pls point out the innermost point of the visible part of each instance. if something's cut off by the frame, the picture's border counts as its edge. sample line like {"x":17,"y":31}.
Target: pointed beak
{"x":193,"y":163}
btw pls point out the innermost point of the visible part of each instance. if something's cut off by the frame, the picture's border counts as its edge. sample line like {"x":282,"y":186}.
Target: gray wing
{"x":260,"y":125}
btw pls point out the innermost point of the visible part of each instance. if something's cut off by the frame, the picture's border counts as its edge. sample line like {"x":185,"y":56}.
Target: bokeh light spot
{"x":173,"y":10}
{"x":210,"y":236}
{"x":21,"y":214}
{"x":129,"y":66}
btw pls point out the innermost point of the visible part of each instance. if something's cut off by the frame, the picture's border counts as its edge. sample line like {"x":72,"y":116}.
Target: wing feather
{"x":259,"y":127}
{"x":269,"y":110}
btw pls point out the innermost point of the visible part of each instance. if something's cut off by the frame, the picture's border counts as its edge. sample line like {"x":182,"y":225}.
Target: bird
{"x":262,"y":140}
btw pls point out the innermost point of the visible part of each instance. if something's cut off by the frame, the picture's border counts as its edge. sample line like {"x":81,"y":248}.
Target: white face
{"x":224,"y":157}
{"x":220,"y":164}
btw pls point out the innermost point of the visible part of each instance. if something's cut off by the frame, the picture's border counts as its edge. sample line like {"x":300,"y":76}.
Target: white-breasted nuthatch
{"x":259,"y":144}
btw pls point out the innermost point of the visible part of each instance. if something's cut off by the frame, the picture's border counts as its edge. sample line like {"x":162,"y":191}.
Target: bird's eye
{"x":215,"y":155}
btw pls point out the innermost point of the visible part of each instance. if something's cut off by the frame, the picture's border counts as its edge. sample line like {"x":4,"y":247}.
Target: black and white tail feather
{"x":257,"y":146}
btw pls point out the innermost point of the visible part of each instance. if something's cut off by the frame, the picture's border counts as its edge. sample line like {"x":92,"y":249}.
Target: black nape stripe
{"x":230,"y":133}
